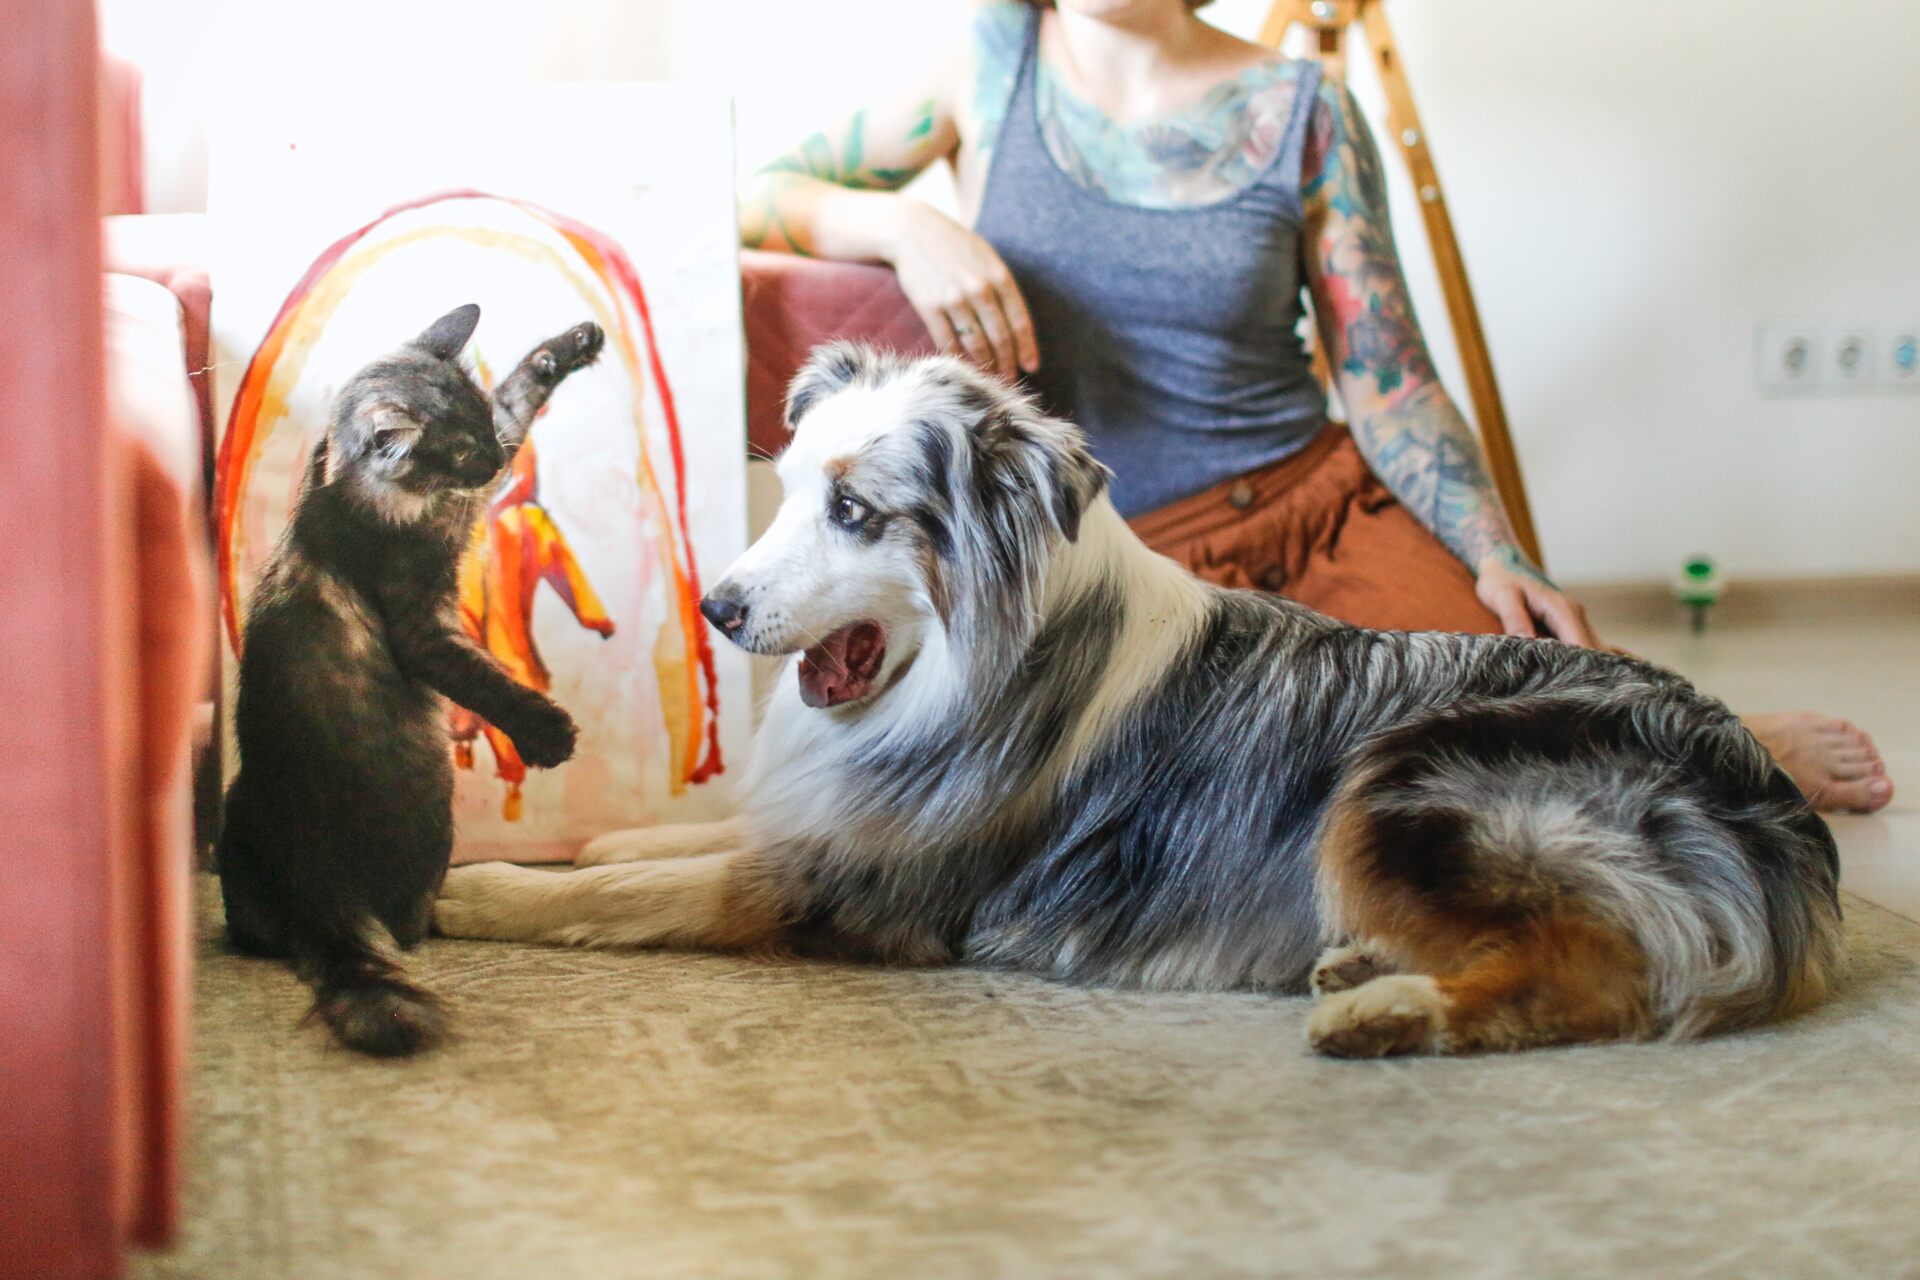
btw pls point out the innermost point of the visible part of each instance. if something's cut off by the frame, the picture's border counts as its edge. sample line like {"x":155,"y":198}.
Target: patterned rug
{"x":646,"y":1114}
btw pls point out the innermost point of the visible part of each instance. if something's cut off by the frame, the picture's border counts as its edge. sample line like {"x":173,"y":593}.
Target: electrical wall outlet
{"x":1900,"y":356}
{"x":1790,"y":355}
{"x":1852,"y":356}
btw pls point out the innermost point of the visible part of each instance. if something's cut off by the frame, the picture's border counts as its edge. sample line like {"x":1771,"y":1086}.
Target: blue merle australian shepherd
{"x":1015,"y":737}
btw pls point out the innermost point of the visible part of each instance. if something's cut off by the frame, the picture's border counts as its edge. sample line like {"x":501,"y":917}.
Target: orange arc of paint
{"x":240,"y":446}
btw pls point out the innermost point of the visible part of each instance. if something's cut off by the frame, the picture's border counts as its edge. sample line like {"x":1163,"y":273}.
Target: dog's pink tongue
{"x":841,"y":667}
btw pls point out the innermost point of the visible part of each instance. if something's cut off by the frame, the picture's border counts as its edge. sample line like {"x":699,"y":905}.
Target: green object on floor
{"x":1698,"y":585}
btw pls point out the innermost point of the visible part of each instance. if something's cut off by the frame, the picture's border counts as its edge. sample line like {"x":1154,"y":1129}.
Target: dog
{"x":1013,"y":736}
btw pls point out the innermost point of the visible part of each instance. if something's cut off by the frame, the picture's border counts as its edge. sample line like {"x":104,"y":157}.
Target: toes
{"x":575,"y":349}
{"x":1389,"y":1015}
{"x":586,"y":341}
{"x":1342,"y":969}
{"x":1858,"y":795}
{"x":1856,"y":764}
{"x":474,"y":900}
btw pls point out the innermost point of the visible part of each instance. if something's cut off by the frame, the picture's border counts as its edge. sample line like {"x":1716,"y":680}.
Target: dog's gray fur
{"x":1093,"y":766}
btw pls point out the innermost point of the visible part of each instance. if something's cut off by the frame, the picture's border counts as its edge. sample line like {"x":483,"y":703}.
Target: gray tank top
{"x":1170,"y":335}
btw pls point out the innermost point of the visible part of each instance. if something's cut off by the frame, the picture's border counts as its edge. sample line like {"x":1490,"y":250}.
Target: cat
{"x":339,"y":822}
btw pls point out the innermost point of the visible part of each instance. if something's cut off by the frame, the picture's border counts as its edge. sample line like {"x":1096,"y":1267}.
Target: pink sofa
{"x":102,"y":656}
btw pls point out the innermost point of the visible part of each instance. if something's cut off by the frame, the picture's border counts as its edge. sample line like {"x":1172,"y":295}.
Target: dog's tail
{"x":361,"y":991}
{"x":1570,"y":870}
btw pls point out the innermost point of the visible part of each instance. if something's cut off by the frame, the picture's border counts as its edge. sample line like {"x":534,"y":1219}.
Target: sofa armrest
{"x":171,"y":250}
{"x":791,"y":305}
{"x":155,"y":427}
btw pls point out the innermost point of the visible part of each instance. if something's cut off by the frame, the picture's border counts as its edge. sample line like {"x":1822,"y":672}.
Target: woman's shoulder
{"x":1235,"y":55}
{"x":999,"y":28}
{"x":998,"y":37}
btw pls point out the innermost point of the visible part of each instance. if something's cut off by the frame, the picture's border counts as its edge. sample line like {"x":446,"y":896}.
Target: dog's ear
{"x":831,"y":368}
{"x":1047,"y":457}
{"x":1076,"y":477}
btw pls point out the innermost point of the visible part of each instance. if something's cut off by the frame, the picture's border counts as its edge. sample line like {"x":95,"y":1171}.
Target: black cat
{"x":340,"y":821}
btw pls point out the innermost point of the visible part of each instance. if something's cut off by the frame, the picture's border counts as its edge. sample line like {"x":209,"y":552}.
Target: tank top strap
{"x":1020,"y":102}
{"x":1285,"y":165}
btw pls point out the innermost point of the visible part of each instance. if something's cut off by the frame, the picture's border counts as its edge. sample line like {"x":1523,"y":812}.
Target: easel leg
{"x":1329,"y":19}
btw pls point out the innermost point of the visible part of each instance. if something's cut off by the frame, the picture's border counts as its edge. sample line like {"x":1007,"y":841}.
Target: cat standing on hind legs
{"x":339,"y":823}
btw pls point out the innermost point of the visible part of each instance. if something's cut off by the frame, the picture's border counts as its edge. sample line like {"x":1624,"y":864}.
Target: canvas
{"x":334,"y":246}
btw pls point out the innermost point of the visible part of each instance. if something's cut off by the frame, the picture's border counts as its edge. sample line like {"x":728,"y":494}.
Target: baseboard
{"x":1760,"y":600}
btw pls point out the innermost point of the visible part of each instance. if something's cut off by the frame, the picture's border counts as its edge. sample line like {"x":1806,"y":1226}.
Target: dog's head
{"x":923,"y":501}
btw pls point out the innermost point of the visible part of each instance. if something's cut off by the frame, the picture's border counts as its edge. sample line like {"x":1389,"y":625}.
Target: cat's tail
{"x":361,"y":990}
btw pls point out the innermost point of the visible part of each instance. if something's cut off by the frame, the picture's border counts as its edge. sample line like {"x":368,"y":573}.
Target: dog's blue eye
{"x":849,"y":512}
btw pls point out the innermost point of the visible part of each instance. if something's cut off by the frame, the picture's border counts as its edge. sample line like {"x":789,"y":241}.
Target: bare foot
{"x":1835,"y":764}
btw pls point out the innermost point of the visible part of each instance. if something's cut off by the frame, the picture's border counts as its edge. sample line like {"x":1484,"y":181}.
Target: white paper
{"x":650,"y":169}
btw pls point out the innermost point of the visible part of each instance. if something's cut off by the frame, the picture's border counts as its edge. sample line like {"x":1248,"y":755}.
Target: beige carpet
{"x":629,"y":1115}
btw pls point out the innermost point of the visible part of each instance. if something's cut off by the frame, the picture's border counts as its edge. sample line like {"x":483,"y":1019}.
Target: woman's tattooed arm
{"x":1401,"y":417}
{"x":876,"y":150}
{"x":819,"y":198}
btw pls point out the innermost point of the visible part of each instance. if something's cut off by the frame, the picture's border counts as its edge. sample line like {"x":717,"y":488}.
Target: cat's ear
{"x":391,"y":430}
{"x":446,"y":336}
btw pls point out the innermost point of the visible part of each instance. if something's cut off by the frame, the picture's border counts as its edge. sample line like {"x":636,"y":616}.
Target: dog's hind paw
{"x":1399,"y":1013}
{"x":1344,"y":968}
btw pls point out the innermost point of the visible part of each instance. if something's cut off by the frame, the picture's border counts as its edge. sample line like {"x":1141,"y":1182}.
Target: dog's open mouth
{"x":842,"y":667}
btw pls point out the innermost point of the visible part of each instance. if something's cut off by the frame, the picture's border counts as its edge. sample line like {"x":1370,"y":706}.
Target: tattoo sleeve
{"x":1402,"y":419}
{"x":872,"y":151}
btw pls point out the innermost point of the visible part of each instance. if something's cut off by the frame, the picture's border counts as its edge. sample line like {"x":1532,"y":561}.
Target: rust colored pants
{"x":1322,"y":529}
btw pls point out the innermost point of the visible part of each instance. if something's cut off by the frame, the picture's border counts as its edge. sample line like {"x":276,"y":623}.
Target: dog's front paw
{"x":484,"y":900}
{"x":575,"y":349}
{"x":1400,"y":1013}
{"x":630,"y":845}
{"x":545,"y":736}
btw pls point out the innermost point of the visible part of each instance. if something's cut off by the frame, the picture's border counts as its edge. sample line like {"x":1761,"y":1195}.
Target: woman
{"x":1150,"y":199}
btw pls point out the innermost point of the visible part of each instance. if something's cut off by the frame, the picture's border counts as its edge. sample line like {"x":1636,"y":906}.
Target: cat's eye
{"x":849,"y":512}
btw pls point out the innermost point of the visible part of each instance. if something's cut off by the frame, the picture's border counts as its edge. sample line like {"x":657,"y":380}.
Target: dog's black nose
{"x":724,"y":609}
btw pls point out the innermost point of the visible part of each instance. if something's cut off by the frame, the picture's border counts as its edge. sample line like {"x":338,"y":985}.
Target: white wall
{"x":1636,"y":184}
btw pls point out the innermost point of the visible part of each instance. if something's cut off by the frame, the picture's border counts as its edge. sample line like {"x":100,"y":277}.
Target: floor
{"x":642,"y":1115}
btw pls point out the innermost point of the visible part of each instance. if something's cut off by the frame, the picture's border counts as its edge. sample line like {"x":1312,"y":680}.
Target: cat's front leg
{"x":542,"y":732}
{"x":525,"y":391}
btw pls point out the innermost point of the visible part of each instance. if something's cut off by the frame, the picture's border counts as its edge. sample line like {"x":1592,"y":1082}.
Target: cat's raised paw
{"x":575,"y":349}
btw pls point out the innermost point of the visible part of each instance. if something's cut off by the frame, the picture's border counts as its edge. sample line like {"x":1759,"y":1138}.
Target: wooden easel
{"x":1330,"y":20}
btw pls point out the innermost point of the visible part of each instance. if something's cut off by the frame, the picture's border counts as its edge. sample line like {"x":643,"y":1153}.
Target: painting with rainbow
{"x":584,"y":574}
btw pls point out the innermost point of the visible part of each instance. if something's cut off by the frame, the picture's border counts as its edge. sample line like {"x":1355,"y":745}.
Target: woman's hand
{"x":1522,"y":598}
{"x":963,"y":292}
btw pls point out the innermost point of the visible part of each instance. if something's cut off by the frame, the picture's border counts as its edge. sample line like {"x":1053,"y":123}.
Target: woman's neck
{"x":1125,"y":63}
{"x":1145,"y":63}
